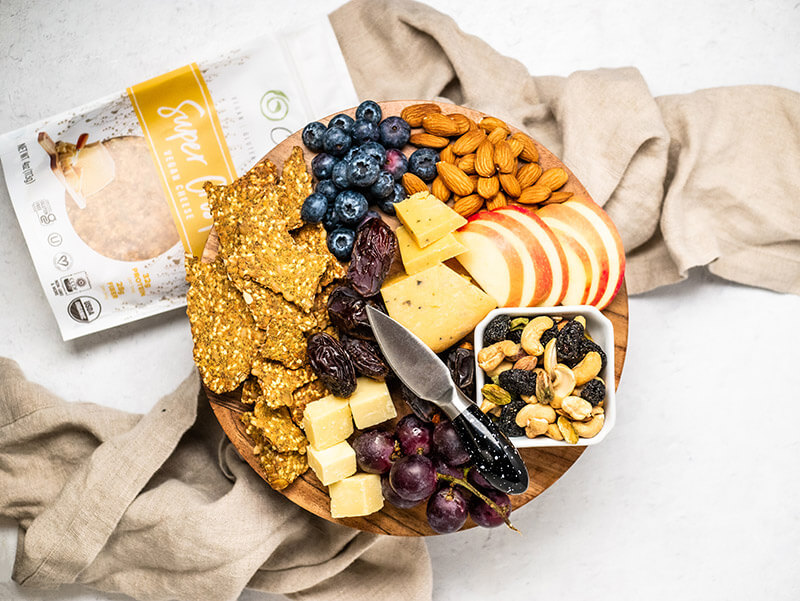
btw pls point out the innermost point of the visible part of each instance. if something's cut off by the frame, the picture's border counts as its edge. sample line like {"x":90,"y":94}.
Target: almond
{"x":498,"y":201}
{"x":468,"y":205}
{"x":529,"y":152}
{"x":439,"y":125}
{"x":510,"y":184}
{"x":534,"y":194}
{"x":455,"y":179}
{"x":503,"y":157}
{"x":556,"y":197}
{"x":439,"y":190}
{"x":484,"y":159}
{"x":416,"y":112}
{"x":413,"y":184}
{"x":428,"y":140}
{"x":463,"y":122}
{"x":467,"y":163}
{"x":515,"y":145}
{"x":488,"y":186}
{"x":447,"y":155}
{"x":553,"y":178}
{"x":497,"y":134}
{"x":528,"y":173}
{"x":490,"y":123}
{"x":469,"y":142}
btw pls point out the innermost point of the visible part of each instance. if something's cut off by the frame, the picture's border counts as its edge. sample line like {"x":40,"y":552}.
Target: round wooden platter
{"x":545,"y":465}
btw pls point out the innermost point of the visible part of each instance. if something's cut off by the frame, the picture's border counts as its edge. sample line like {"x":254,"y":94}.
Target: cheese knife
{"x":427,"y":376}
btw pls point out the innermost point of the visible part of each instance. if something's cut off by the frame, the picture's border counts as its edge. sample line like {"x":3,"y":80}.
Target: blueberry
{"x":340,"y":243}
{"x":395,"y":132}
{"x":362,"y":170}
{"x":376,"y":150}
{"x":314,"y":208}
{"x":383,"y":186}
{"x":330,"y":220}
{"x":339,"y":175}
{"x":396,"y":163}
{"x":350,"y":153}
{"x":312,"y":135}
{"x":327,"y":188}
{"x":350,"y":206}
{"x":387,"y":204}
{"x":422,"y":163}
{"x":336,"y":141}
{"x":365,"y":131}
{"x":322,"y":165}
{"x":370,"y":111}
{"x":343,"y":122}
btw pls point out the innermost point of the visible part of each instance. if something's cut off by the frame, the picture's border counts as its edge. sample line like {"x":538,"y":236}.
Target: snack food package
{"x":110,"y":195}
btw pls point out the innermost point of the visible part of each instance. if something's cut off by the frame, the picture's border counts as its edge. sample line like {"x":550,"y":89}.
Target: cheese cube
{"x":427,"y":218}
{"x":416,"y":259}
{"x":359,"y":494}
{"x":371,"y":403}
{"x":334,"y":463}
{"x":327,"y":421}
{"x":438,"y":305}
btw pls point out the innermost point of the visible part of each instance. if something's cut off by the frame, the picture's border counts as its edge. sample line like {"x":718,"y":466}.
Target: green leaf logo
{"x":274,"y":105}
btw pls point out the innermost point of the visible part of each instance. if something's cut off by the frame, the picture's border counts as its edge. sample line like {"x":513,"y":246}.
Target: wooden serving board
{"x":545,"y":465}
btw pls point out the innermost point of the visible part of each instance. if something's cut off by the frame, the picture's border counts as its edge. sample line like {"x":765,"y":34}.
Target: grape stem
{"x":502,"y":512}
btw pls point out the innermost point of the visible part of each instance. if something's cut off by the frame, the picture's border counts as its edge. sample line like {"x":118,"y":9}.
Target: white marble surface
{"x":694,"y":495}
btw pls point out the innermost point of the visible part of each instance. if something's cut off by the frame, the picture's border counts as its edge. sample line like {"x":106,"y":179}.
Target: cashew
{"x":527,"y":363}
{"x":550,"y":357}
{"x":535,"y":411}
{"x":588,"y":368}
{"x":563,"y":383}
{"x":590,"y":428}
{"x":505,"y":365}
{"x":597,"y":410}
{"x":553,"y":432}
{"x":487,"y":406}
{"x":576,"y":407}
{"x":581,"y":320}
{"x":490,"y":357}
{"x":532,"y":332}
{"x":509,"y":348}
{"x":536,"y":427}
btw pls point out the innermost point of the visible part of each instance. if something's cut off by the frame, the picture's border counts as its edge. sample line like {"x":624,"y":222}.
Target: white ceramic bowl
{"x":601,"y":331}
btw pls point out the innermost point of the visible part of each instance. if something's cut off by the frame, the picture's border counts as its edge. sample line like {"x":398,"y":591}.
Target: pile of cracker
{"x":252,"y":307}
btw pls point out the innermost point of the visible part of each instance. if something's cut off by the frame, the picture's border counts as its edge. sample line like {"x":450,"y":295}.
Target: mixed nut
{"x":544,"y":377}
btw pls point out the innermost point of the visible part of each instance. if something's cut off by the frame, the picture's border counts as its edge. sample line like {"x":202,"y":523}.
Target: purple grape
{"x":485,"y":516}
{"x":392,"y":497}
{"x":414,"y":435}
{"x":374,"y":450}
{"x":447,"y":444}
{"x":476,"y":479}
{"x":441,"y":467}
{"x":447,"y":510}
{"x":413,"y":477}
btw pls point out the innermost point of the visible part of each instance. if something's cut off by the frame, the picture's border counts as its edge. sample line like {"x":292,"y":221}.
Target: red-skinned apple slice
{"x":552,"y":252}
{"x":581,"y":265}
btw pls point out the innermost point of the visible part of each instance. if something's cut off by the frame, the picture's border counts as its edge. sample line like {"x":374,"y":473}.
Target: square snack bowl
{"x":601,"y":331}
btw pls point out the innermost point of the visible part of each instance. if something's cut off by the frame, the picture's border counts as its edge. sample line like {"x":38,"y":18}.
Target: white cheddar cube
{"x":334,"y":463}
{"x":360,"y":494}
{"x":327,"y":421}
{"x":371,"y":403}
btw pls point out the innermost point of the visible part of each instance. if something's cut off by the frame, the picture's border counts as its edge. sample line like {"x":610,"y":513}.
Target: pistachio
{"x":532,"y":333}
{"x":518,"y":323}
{"x":567,"y":431}
{"x":495,"y":394}
{"x":544,"y":387}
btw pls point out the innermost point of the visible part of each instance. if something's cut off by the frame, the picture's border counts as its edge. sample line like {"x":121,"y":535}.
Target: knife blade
{"x":418,"y":367}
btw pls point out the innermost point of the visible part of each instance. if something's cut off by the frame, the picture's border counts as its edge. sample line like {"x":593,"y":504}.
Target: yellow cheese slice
{"x":427,"y":218}
{"x":360,"y":494}
{"x":416,"y":259}
{"x":371,"y":403}
{"x":327,"y":421}
{"x":334,"y":463}
{"x":437,"y":304}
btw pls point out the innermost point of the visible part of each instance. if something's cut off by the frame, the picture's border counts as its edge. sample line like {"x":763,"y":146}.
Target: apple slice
{"x":581,"y":265}
{"x":546,"y":252}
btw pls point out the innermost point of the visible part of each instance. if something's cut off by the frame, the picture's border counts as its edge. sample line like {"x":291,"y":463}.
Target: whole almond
{"x":534,"y":194}
{"x":499,"y":200}
{"x":447,"y":155}
{"x":484,"y":159}
{"x":416,"y":112}
{"x":455,"y":179}
{"x":469,"y":142}
{"x":467,"y":163}
{"x":488,"y":186}
{"x":528,"y":173}
{"x":497,"y":134}
{"x":439,"y":125}
{"x":510,"y":184}
{"x":427,"y":140}
{"x":557,"y":197}
{"x":439,"y":190}
{"x":468,"y":205}
{"x":515,"y":145}
{"x":463,"y":122}
{"x":413,"y":184}
{"x":553,"y":178}
{"x":529,"y":152}
{"x":489,"y":123}
{"x":503,"y":157}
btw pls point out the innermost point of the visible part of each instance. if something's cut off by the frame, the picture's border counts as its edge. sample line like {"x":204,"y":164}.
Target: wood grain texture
{"x":545,"y":465}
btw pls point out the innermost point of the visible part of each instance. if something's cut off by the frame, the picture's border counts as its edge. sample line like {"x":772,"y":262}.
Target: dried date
{"x":367,"y":357}
{"x":373,"y":251}
{"x":332,"y":364}
{"x":348,"y":312}
{"x":461,"y":363}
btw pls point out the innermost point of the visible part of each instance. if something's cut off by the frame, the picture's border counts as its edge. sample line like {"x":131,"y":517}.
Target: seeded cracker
{"x":226,"y":340}
{"x":275,"y":429}
{"x":313,"y":391}
{"x":278,"y":382}
{"x":296,"y":186}
{"x":282,"y":468}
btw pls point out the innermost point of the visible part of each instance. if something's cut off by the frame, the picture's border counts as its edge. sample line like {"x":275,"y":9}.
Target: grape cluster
{"x":420,"y":461}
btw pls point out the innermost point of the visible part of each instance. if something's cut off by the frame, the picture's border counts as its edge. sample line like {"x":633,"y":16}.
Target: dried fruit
{"x":428,"y":140}
{"x":366,"y":356}
{"x":461,"y":363}
{"x":332,"y":364}
{"x":415,"y":113}
{"x":455,"y":179}
{"x":348,"y":312}
{"x":518,"y":381}
{"x":373,"y":252}
{"x":496,"y":394}
{"x":569,"y":342}
{"x":594,"y":391}
{"x":507,"y":422}
{"x":413,"y":184}
{"x":438,"y":124}
{"x":496,"y":330}
{"x":469,"y":142}
{"x":468,"y":205}
{"x":484,"y":159}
